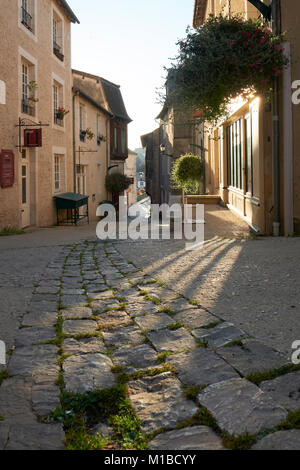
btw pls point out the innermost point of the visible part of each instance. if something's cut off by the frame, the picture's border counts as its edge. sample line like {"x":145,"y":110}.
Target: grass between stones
{"x":292,"y":421}
{"x":8,"y":231}
{"x":3,"y":376}
{"x":176,"y":326}
{"x":259,"y":377}
{"x":80,"y":413}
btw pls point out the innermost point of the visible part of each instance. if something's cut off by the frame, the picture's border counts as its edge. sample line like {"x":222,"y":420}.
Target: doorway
{"x":25,"y":194}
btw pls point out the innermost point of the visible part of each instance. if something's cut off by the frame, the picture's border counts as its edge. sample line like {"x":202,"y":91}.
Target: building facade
{"x":35,"y":96}
{"x":130,"y":171}
{"x":100,"y":135}
{"x":239,"y":157}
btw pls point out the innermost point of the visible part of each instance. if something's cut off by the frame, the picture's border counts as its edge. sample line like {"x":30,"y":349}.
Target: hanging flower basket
{"x":224,"y":59}
{"x":187,"y":173}
{"x":61,"y":113}
{"x":116,"y":183}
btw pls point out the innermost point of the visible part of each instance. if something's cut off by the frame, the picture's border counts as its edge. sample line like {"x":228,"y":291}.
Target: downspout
{"x":276,"y":163}
{"x":76,"y":93}
{"x":107,"y":146}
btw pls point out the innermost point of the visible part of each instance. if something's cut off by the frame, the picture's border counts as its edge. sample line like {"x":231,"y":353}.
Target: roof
{"x":115,"y":100}
{"x":163,"y":112}
{"x":112,"y":94}
{"x":74,"y":197}
{"x":68,"y":11}
{"x":92,"y":101}
{"x":199,"y":12}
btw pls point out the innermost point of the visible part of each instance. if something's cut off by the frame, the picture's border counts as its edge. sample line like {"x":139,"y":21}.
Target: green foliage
{"x":7,"y":231}
{"x":225,"y":58}
{"x":117,"y":183}
{"x":187,"y":173}
{"x":3,"y":376}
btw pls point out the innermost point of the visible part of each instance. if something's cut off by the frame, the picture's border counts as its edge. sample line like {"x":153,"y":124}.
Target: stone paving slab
{"x":36,"y":318}
{"x":240,"y":406}
{"x":123,"y":335}
{"x":67,"y":292}
{"x":4,"y":434}
{"x":45,"y":399}
{"x":201,"y":367}
{"x":34,"y":335}
{"x":81,"y":313}
{"x":15,"y":398}
{"x":220,"y":335}
{"x":138,"y":356}
{"x":194,"y":318}
{"x":285,"y":390}
{"x":281,"y":440}
{"x":25,"y":435}
{"x":193,"y":438}
{"x":154,"y":321}
{"x":112,"y":319}
{"x":178,"y":305}
{"x":78,"y":327}
{"x":73,"y":300}
{"x":99,"y":306}
{"x":159,"y":402}
{"x":141,"y":307}
{"x":84,"y":346}
{"x":25,"y":361}
{"x":171,"y":341}
{"x":88,"y":372}
{"x":252,"y":357}
{"x":42,"y":306}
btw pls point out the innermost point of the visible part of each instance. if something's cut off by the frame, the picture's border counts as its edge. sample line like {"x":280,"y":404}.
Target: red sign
{"x":7,"y":168}
{"x":32,"y":137}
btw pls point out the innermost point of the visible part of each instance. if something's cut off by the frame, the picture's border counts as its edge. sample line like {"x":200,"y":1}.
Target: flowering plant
{"x":62,"y":111}
{"x":223,"y":59}
{"x":117,"y":183}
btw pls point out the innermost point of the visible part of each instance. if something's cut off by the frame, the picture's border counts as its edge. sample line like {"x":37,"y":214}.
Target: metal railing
{"x":57,"y":50}
{"x":27,"y":107}
{"x":26,"y":19}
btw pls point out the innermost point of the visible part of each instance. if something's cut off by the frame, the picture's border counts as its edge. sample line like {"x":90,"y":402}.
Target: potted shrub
{"x":187,"y":173}
{"x":86,"y":134}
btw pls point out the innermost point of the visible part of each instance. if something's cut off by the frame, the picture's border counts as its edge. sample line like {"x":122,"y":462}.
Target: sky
{"x":129,"y":42}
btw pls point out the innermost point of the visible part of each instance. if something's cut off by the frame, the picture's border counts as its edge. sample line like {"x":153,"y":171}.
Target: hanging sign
{"x":33,"y":138}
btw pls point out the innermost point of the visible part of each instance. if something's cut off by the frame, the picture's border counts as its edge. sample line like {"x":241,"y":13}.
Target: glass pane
{"x":24,"y":191}
{"x":248,"y":155}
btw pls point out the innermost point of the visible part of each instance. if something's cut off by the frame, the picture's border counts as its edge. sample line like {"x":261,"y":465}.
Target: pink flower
{"x":263,"y":40}
{"x":277,"y":47}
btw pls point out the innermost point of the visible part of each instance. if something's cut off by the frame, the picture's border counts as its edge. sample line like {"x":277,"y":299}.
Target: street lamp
{"x":163,"y":150}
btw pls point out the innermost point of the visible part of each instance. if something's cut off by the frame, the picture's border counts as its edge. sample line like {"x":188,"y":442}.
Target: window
{"x":235,"y":154}
{"x":58,"y":37}
{"x":82,"y":126}
{"x":28,"y":99}
{"x":81,"y":179}
{"x":119,"y":140}
{"x":58,"y":109}
{"x":59,"y":173}
{"x":24,"y":184}
{"x":249,"y":157}
{"x":26,"y":15}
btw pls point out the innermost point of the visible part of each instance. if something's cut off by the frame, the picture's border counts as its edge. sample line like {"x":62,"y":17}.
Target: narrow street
{"x":192,"y":335}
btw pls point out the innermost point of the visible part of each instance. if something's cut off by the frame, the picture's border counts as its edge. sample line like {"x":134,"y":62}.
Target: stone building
{"x":130,"y":171}
{"x":35,"y":93}
{"x":100,"y":135}
{"x":241,"y":164}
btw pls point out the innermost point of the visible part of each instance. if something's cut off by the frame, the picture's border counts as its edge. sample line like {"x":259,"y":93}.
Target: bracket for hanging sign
{"x":265,"y":10}
{"x":33,"y":139}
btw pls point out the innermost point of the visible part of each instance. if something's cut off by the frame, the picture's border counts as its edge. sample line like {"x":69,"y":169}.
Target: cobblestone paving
{"x":94,"y":318}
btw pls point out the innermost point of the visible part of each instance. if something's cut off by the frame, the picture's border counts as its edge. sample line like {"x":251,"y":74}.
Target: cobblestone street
{"x":120,"y":356}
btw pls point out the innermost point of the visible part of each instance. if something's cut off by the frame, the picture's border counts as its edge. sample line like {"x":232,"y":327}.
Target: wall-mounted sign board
{"x":32,"y":137}
{"x":7,"y":168}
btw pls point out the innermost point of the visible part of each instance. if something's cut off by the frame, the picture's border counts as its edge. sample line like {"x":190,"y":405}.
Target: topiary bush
{"x":223,"y":59}
{"x":187,"y":173}
{"x":117,"y":183}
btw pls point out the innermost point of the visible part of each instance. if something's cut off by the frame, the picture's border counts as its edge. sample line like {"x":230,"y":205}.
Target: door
{"x":25,"y":196}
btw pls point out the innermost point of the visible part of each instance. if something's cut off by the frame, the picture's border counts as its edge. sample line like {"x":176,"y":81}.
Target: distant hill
{"x":140,"y":160}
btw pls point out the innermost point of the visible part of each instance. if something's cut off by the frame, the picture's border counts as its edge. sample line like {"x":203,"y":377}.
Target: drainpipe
{"x":108,"y":120}
{"x":76,"y":93}
{"x":276,"y":163}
